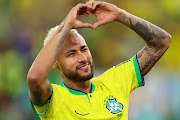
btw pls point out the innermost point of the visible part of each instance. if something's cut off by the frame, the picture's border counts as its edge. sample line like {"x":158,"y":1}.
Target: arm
{"x":156,"y":38}
{"x":40,"y":89}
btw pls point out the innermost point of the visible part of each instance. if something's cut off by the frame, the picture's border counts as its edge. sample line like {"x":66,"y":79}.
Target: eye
{"x":71,"y":54}
{"x":84,"y":49}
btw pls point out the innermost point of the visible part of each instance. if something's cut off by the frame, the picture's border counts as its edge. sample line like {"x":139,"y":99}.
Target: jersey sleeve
{"x":126,"y":75}
{"x":47,"y":110}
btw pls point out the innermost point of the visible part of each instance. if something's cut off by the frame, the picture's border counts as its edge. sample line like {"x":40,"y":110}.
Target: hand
{"x":105,"y":12}
{"x":73,"y":16}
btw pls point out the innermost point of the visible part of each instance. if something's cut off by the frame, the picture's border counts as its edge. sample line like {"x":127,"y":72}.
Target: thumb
{"x":99,"y":23}
{"x":84,"y":25}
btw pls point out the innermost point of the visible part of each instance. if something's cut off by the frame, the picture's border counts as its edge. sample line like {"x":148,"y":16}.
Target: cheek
{"x":89,"y":56}
{"x":69,"y":64}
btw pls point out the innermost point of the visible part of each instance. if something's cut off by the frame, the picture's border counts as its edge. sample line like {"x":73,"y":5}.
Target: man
{"x":105,"y":97}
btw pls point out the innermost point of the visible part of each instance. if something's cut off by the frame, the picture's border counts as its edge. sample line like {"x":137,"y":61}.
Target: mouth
{"x":83,"y":67}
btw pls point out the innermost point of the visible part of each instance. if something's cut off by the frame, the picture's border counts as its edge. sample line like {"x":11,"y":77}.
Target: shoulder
{"x":117,"y":69}
{"x":118,"y":73}
{"x":56,"y":86}
{"x":58,"y":89}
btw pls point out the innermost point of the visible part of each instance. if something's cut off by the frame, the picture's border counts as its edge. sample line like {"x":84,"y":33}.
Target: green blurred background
{"x":24,"y":25}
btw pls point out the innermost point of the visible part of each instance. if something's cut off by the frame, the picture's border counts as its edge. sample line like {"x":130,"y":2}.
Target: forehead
{"x":73,"y":41}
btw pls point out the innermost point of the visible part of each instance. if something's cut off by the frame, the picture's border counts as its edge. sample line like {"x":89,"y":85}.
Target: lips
{"x":83,"y":67}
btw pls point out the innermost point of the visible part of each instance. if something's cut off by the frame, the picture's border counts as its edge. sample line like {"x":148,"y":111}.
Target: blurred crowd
{"x":24,"y":25}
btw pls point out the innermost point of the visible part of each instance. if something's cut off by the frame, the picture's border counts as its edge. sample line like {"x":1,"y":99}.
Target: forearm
{"x":39,"y":87}
{"x":47,"y":56}
{"x":158,"y":40}
{"x":148,"y":31}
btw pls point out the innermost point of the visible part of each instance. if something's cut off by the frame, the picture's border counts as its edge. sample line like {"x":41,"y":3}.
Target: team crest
{"x":113,"y":106}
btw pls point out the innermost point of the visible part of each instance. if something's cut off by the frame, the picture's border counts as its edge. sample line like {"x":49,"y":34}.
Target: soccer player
{"x":79,"y":96}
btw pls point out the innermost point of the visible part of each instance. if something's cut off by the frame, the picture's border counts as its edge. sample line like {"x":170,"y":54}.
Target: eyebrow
{"x":69,"y":51}
{"x":83,"y":46}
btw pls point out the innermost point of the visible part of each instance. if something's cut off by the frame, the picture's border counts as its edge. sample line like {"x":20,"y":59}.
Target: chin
{"x":78,"y":75}
{"x":83,"y":78}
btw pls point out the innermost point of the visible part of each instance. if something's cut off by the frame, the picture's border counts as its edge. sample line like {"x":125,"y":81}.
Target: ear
{"x":55,"y":66}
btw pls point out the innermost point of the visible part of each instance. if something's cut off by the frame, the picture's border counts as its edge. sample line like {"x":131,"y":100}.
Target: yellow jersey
{"x":108,"y":99}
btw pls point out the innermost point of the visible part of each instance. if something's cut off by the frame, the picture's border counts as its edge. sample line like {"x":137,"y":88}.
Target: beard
{"x":75,"y":76}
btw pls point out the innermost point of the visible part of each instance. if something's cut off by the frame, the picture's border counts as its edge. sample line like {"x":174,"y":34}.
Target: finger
{"x":97,"y":24}
{"x":85,"y":25}
{"x":86,"y":14}
{"x":94,"y":5}
{"x":80,"y":6}
{"x":90,"y":2}
{"x":83,"y":13}
{"x":85,"y":10}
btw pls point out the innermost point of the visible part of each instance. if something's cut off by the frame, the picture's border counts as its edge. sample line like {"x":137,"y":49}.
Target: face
{"x":75,"y":60}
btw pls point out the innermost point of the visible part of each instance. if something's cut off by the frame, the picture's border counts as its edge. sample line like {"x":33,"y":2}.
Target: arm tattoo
{"x":147,"y":31}
{"x":61,"y":28}
{"x":154,"y":36}
{"x":62,"y":39}
{"x":63,"y":22}
{"x":124,"y":20}
{"x":149,"y":55}
{"x":38,"y":97}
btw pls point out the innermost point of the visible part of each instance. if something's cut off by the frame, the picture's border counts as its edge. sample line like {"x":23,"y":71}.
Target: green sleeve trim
{"x":138,"y":72}
{"x":48,"y":102}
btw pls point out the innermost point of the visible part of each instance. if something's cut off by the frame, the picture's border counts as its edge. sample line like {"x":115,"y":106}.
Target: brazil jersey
{"x":108,"y":99}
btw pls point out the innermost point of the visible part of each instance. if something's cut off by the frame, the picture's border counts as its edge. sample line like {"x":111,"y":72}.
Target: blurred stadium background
{"x":24,"y":24}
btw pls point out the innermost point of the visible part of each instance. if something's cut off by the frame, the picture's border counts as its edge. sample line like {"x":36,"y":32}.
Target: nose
{"x":82,"y":57}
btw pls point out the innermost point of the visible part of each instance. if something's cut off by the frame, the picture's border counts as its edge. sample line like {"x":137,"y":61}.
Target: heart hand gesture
{"x":105,"y":12}
{"x":73,"y":16}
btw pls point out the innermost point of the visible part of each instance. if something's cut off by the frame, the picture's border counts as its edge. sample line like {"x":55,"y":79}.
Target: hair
{"x":52,"y":31}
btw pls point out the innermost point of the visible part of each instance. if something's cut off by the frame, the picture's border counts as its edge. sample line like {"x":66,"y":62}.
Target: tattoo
{"x":39,"y":97}
{"x":124,"y":20}
{"x":158,"y":32}
{"x":141,"y":30}
{"x":65,"y":35}
{"x":149,"y":55}
{"x":153,"y":36}
{"x":147,"y":30}
{"x":61,"y":28}
{"x":63,"y":22}
{"x":63,"y":38}
{"x":154,"y":48}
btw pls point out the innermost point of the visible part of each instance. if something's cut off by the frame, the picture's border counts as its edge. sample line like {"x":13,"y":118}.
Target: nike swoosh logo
{"x":81,"y":114}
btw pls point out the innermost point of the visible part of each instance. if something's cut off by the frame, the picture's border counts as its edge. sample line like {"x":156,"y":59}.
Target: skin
{"x":54,"y":53}
{"x":74,"y":54}
{"x":40,"y":90}
{"x":158,"y":40}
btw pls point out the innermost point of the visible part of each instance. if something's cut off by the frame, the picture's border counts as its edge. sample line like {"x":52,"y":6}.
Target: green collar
{"x":77,"y":92}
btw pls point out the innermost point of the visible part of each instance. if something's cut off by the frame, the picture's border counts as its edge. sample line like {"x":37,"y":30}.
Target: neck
{"x":82,"y":86}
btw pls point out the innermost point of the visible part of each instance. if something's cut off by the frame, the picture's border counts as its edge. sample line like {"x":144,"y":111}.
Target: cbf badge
{"x":113,"y":106}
